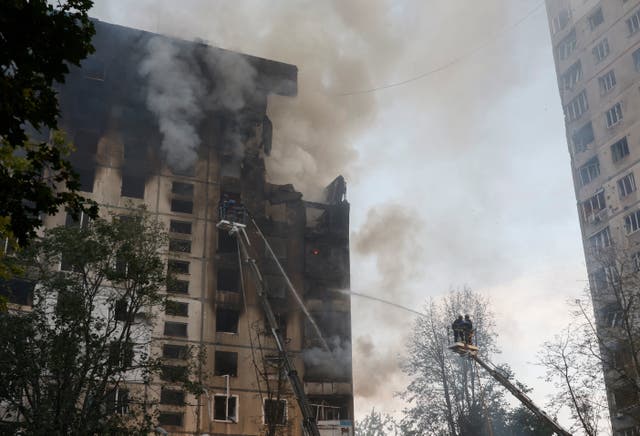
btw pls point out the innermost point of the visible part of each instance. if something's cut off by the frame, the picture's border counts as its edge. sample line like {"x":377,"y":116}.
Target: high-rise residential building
{"x":596,"y":46}
{"x":180,"y":126}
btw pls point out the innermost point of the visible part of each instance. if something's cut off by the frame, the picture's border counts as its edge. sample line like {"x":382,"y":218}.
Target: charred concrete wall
{"x":117,"y":109}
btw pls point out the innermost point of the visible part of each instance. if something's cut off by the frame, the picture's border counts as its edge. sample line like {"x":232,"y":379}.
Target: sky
{"x":445,"y":118}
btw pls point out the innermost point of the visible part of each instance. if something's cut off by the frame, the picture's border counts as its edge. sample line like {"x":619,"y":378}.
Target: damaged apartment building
{"x":178,"y":126}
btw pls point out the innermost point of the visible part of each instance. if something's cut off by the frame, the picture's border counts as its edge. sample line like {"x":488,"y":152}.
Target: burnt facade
{"x":134,"y":148}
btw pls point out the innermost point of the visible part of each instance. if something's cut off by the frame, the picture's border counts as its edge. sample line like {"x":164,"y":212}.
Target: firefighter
{"x":457,"y":329}
{"x":467,"y":329}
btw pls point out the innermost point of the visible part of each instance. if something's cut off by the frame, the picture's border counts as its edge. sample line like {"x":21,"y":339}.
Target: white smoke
{"x":333,"y":363}
{"x":172,"y":95}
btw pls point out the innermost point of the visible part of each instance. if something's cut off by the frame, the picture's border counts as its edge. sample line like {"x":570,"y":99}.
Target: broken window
{"x":589,"y":171}
{"x":619,"y":149}
{"x":607,"y":82}
{"x":633,"y":23}
{"x":181,"y":206}
{"x":172,"y":351}
{"x":117,"y":401}
{"x":170,"y":418}
{"x":226,"y":363}
{"x":592,"y":206}
{"x":601,"y":50}
{"x":178,"y":286}
{"x":567,"y":45}
{"x":571,"y":76}
{"x":182,"y":189}
{"x":227,"y":320}
{"x":582,"y":138}
{"x":177,"y":308}
{"x":173,"y":373}
{"x":560,"y":21}
{"x":596,"y":19}
{"x":275,"y":411}
{"x":17,"y":291}
{"x":133,"y":185}
{"x":626,"y":185}
{"x":171,"y":396}
{"x":178,"y":266}
{"x":175,"y":329}
{"x":225,"y":408}
{"x":600,"y":240}
{"x":226,"y":242}
{"x":180,"y":245}
{"x":228,"y":280}
{"x":614,"y":115}
{"x":576,"y":107}
{"x":183,"y":227}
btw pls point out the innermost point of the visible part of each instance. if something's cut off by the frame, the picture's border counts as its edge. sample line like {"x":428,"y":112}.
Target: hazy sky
{"x":460,"y":177}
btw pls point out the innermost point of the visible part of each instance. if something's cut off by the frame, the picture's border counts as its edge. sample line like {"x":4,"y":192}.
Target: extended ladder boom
{"x":308,"y":420}
{"x":519,"y":394}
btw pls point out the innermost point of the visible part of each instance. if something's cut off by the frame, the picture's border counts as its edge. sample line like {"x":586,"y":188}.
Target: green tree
{"x":38,"y":41}
{"x":76,"y":364}
{"x":377,"y":424}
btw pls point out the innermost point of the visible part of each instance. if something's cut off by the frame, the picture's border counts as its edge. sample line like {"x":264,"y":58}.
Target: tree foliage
{"x":377,"y":424}
{"x":38,"y":42}
{"x":448,"y":394}
{"x":87,"y":337}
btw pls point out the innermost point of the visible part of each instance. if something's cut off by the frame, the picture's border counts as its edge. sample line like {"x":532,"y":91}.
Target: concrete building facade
{"x":597,"y":55}
{"x":125,"y":158}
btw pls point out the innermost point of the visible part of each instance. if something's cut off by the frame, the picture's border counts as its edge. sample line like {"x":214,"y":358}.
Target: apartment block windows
{"x":182,"y":227}
{"x":133,"y":185}
{"x":117,"y":401}
{"x":175,"y":329}
{"x":571,"y":76}
{"x":560,"y":21}
{"x":636,"y":59}
{"x":227,"y":320}
{"x":626,"y":185}
{"x":620,"y":149}
{"x":182,"y":206}
{"x":600,"y":240}
{"x":596,"y":19}
{"x":178,"y":286}
{"x":177,"y":308}
{"x":226,"y":363}
{"x":172,"y":397}
{"x":182,"y":189}
{"x":179,"y":245}
{"x":567,"y":45}
{"x":576,"y":107}
{"x":601,"y":50}
{"x":275,"y":411}
{"x":173,"y":373}
{"x":170,"y":418}
{"x":607,"y":82}
{"x":614,"y":115}
{"x":178,"y":266}
{"x":225,"y":408}
{"x":592,"y":206}
{"x":583,"y":137}
{"x":633,"y":23}
{"x":589,"y":171}
{"x":632,"y":222}
{"x":171,"y":351}
{"x":228,"y":280}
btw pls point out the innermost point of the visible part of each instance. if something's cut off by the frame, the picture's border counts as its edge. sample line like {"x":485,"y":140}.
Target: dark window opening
{"x":182,"y":189}
{"x":182,"y":206}
{"x":583,"y":137}
{"x":275,"y":411}
{"x":177,"y":308}
{"x":82,"y":221}
{"x":281,"y":321}
{"x":619,"y":149}
{"x":180,"y":227}
{"x":178,"y":287}
{"x":171,"y":351}
{"x":175,"y":329}
{"x":226,"y":363}
{"x":227,"y":320}
{"x":93,"y":68}
{"x":170,"y":418}
{"x":596,"y":19}
{"x":224,"y":408}
{"x":121,"y":354}
{"x":626,"y":396}
{"x":121,"y":310}
{"x":228,"y":280}
{"x":117,"y":401}
{"x":133,"y":185}
{"x":170,"y":396}
{"x":226,"y":242}
{"x":178,"y":266}
{"x":180,"y":245}
{"x":276,"y":286}
{"x":87,"y":177}
{"x":172,"y":373}
{"x":17,"y":291}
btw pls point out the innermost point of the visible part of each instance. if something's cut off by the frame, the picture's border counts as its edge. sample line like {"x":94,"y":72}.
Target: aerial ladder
{"x":232,"y":221}
{"x":471,"y":351}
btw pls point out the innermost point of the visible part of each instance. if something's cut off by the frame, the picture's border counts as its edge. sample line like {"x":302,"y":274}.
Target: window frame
{"x":234,"y":419}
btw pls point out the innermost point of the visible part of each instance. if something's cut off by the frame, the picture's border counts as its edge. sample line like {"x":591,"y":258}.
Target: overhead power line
{"x":448,"y":64}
